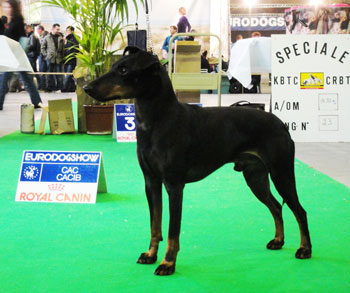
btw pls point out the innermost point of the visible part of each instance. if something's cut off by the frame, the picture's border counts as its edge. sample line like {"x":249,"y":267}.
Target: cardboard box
{"x":61,"y":116}
{"x":187,"y":60}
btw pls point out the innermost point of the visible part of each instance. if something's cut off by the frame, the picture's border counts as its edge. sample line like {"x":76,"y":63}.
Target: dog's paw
{"x":275,"y":244}
{"x":165,"y":270}
{"x":303,"y":253}
{"x":146,"y":259}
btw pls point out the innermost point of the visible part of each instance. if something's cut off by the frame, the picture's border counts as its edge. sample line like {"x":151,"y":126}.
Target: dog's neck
{"x":157,"y":104}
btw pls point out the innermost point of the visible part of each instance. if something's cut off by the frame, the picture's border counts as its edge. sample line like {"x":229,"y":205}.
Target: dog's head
{"x":127,"y":77}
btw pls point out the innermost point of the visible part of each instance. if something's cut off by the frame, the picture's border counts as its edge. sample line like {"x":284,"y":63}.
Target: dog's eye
{"x":122,"y":70}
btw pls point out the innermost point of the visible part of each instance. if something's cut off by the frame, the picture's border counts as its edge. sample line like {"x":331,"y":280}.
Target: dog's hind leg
{"x":167,"y":266}
{"x":256,"y":176}
{"x":154,"y":198}
{"x":283,"y":177}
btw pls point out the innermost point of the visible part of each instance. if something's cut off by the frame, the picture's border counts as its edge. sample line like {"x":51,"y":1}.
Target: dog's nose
{"x":87,"y":89}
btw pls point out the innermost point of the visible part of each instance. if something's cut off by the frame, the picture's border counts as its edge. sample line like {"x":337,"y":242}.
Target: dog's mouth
{"x":109,"y":98}
{"x":115,"y":98}
{"x":117,"y":92}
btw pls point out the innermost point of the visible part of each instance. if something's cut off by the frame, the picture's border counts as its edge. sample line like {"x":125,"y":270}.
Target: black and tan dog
{"x":179,"y":143}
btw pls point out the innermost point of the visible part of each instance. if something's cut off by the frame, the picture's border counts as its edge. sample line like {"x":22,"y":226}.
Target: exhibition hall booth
{"x":75,"y":215}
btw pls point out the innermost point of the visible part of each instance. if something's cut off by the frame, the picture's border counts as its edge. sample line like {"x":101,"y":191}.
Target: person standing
{"x":41,"y":59}
{"x":70,"y":49}
{"x":256,"y":78}
{"x":3,"y":23}
{"x":165,"y":47}
{"x":238,"y":38}
{"x":14,"y":31}
{"x":52,"y":48}
{"x":14,"y":83}
{"x":183,"y":25}
{"x":33,"y":47}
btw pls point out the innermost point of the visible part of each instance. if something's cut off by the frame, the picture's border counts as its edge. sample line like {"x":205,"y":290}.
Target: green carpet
{"x":47,"y":247}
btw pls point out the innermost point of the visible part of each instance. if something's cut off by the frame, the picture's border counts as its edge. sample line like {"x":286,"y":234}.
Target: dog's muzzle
{"x":88,"y":89}
{"x":102,"y":97}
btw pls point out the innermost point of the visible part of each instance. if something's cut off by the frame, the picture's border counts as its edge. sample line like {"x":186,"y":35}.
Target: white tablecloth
{"x":249,"y":56}
{"x":12,"y":56}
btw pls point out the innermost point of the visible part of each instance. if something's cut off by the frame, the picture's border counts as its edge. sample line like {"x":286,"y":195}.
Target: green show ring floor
{"x":46,"y":247}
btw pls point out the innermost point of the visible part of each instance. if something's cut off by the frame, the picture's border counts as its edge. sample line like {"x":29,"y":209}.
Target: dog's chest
{"x":160,"y":157}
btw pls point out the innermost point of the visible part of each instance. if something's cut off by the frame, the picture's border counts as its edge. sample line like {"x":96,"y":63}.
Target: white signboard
{"x":311,"y":86}
{"x":60,"y":177}
{"x":125,"y":122}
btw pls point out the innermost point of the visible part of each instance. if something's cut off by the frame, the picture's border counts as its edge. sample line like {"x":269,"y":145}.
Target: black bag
{"x":257,"y":106}
{"x":256,"y":85}
{"x":253,"y":90}
{"x":235,"y":86}
{"x":137,"y":38}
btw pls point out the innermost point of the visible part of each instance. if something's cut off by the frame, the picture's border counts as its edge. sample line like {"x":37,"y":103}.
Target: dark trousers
{"x":32,"y":61}
{"x":69,"y":84}
{"x":28,"y":84}
{"x":15,"y":84}
{"x":42,"y":79}
{"x":54,"y":82}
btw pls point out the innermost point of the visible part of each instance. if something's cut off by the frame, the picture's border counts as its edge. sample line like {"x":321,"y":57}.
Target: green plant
{"x":98,"y":23}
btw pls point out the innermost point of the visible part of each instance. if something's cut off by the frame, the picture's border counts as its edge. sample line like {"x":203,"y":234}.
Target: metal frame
{"x":195,"y":81}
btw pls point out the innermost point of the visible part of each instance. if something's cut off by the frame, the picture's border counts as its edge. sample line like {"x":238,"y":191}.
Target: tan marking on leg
{"x":303,"y":240}
{"x":172,"y":250}
{"x":279,"y":234}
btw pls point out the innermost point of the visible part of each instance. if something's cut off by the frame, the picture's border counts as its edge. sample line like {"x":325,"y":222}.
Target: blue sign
{"x":125,"y":116}
{"x":54,"y":166}
{"x":125,"y":122}
{"x":61,"y":177}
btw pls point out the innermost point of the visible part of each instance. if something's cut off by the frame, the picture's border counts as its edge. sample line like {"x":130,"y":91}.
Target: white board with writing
{"x":311,"y":86}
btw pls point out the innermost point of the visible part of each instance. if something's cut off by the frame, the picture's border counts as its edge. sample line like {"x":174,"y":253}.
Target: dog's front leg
{"x":167,"y":266}
{"x":154,"y":198}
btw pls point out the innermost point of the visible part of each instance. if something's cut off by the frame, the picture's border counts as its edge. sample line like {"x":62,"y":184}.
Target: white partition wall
{"x":219,"y":25}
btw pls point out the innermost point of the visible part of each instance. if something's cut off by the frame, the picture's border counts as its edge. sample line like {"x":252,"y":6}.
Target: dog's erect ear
{"x":143,"y":60}
{"x":131,"y":50}
{"x":146,"y":60}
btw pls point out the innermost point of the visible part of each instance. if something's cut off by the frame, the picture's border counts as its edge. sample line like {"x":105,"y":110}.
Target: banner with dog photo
{"x":325,"y":19}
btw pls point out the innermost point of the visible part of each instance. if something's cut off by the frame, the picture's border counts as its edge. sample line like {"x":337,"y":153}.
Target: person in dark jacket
{"x":70,"y":49}
{"x":14,"y":83}
{"x":52,"y":48}
{"x":33,"y":51}
{"x":41,"y":59}
{"x":205,"y":63}
{"x":3,"y":22}
{"x":15,"y":31}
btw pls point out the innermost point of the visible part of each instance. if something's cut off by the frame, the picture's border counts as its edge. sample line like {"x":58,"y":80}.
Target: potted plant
{"x":98,"y":23}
